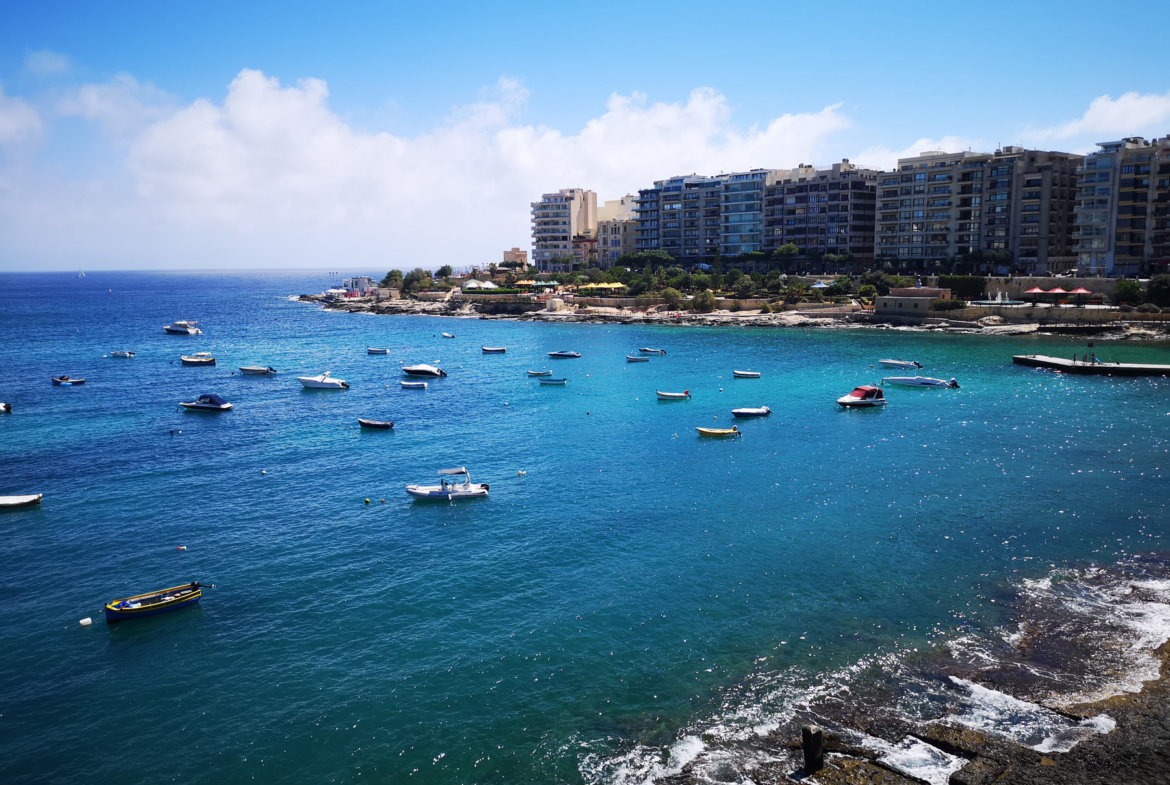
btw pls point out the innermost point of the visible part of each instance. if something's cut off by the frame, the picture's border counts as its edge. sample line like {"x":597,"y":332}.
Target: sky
{"x":370,"y":136}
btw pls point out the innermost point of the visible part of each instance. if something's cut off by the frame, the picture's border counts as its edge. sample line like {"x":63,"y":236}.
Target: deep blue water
{"x":624,"y":588}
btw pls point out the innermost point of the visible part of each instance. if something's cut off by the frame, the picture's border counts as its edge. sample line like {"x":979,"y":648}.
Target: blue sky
{"x":188,"y":136}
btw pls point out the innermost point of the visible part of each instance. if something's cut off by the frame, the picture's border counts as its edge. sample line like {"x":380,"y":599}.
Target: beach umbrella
{"x":1057,"y":290}
{"x":820,"y":285}
{"x":1080,"y":290}
{"x":1035,"y":290}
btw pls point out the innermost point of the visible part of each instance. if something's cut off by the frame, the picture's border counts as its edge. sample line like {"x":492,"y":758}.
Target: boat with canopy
{"x":207,"y":403}
{"x":865,"y":397}
{"x":183,"y":328}
{"x":450,"y":490}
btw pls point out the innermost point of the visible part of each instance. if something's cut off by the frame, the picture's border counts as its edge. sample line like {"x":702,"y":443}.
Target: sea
{"x":631,"y":601}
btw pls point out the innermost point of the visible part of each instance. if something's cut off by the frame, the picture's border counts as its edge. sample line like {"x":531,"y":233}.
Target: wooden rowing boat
{"x":732,"y":431}
{"x":152,"y":604}
{"x":377,"y":425}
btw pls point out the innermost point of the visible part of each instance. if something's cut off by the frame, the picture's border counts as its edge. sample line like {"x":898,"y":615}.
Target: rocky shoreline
{"x":992,"y":325}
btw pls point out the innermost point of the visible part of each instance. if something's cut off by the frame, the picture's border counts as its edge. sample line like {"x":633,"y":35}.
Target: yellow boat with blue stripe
{"x":142,"y":605}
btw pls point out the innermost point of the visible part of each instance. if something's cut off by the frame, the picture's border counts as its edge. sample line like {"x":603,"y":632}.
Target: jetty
{"x":1093,"y":368}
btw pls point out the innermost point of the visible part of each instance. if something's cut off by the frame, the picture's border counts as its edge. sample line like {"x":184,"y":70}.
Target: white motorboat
{"x":372,"y":350}
{"x":761,"y":411}
{"x":414,"y":385}
{"x":423,"y":370}
{"x":9,"y":502}
{"x":665,"y":396}
{"x":563,"y":355}
{"x":909,"y":364}
{"x":540,"y":373}
{"x":183,"y":328}
{"x":494,"y":349}
{"x":257,"y":370}
{"x":196,"y":360}
{"x":549,"y":380}
{"x":448,"y":335}
{"x":746,"y":374}
{"x":633,"y":358}
{"x":450,"y":490}
{"x":920,"y":381}
{"x":207,"y":403}
{"x":652,"y":351}
{"x":5,"y":407}
{"x":122,"y":354}
{"x":863,"y":397}
{"x":323,"y":382}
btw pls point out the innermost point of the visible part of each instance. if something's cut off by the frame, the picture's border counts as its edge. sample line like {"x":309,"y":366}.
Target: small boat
{"x":732,"y":431}
{"x":863,"y":397}
{"x":665,"y":396}
{"x":450,"y":490}
{"x":202,"y":354}
{"x":377,"y":425}
{"x":196,"y":360}
{"x":564,"y":355}
{"x":207,"y":403}
{"x":183,"y":328}
{"x":448,"y":335}
{"x":257,"y":370}
{"x":746,"y":374}
{"x":142,"y":605}
{"x":540,"y":373}
{"x":5,"y":407}
{"x":632,"y":358}
{"x":920,"y":381}
{"x":121,"y":354}
{"x":323,"y":382}
{"x":652,"y":351}
{"x":549,"y":380}
{"x":762,"y":411}
{"x":423,"y":370}
{"x":372,"y":350}
{"x":414,"y":385}
{"x":65,"y":381}
{"x":494,"y":349}
{"x":12,"y":502}
{"x":901,"y":363}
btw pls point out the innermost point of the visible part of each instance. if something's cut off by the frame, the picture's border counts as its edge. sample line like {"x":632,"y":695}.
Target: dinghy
{"x":196,"y":360}
{"x":652,"y":351}
{"x":865,"y":397}
{"x":12,"y":502}
{"x":122,"y":354}
{"x":257,"y":370}
{"x":665,"y":396}
{"x":746,"y":374}
{"x":540,"y":373}
{"x":494,"y":349}
{"x":450,"y":490}
{"x":322,"y":382}
{"x":920,"y":381}
{"x":423,"y":370}
{"x":564,"y":355}
{"x":372,"y":350}
{"x":633,"y":358}
{"x":414,"y":385}
{"x":448,"y":335}
{"x":65,"y":381}
{"x":377,"y":425}
{"x":732,"y":431}
{"x":909,"y":364}
{"x":548,"y":380}
{"x":761,"y":411}
{"x":207,"y":403}
{"x":5,"y":407}
{"x":142,"y":605}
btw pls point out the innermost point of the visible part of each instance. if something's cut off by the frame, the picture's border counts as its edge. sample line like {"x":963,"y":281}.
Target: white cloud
{"x":272,"y":176}
{"x":882,"y":157}
{"x":46,"y":62}
{"x":123,"y":106}
{"x":1128,"y":115}
{"x":18,"y":120}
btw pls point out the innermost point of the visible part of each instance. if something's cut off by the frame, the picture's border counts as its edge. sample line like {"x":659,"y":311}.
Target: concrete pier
{"x":1095,"y":369}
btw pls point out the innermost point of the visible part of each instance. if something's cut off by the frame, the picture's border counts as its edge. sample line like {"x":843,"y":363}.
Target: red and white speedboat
{"x":863,"y":397}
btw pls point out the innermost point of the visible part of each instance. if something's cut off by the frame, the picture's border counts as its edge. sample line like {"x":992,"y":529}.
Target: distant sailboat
{"x":80,"y":273}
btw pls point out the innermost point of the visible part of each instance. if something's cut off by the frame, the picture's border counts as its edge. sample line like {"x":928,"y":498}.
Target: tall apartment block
{"x":616,"y":229}
{"x":826,"y":211}
{"x":680,"y":216}
{"x":557,"y":219}
{"x":1123,"y":212}
{"x":742,"y":211}
{"x":939,"y":206}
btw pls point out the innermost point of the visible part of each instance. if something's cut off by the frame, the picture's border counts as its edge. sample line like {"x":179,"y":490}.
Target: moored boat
{"x":12,"y":502}
{"x":372,"y":350}
{"x":423,"y":370}
{"x":5,"y":407}
{"x":901,"y":363}
{"x":760,"y":411}
{"x":450,"y":490}
{"x":323,"y":382}
{"x":122,"y":354}
{"x":66,"y":381}
{"x":494,"y":349}
{"x":376,"y":425}
{"x":183,"y":328}
{"x":732,"y":431}
{"x":196,"y":360}
{"x":550,"y":380}
{"x":921,"y":381}
{"x":207,"y":403}
{"x":448,"y":335}
{"x":746,"y":374}
{"x":669,"y":396}
{"x":633,"y":358}
{"x":152,"y":604}
{"x":652,"y":351}
{"x":864,"y":397}
{"x":257,"y":370}
{"x":414,"y":385}
{"x":563,"y":355}
{"x":540,"y":373}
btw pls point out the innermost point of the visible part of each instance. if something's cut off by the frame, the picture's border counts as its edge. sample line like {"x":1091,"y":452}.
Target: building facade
{"x":516,"y":258}
{"x":681,"y":216}
{"x":1012,"y":207}
{"x":360,"y":285}
{"x":1123,"y":208}
{"x":557,"y":219}
{"x":741,"y":215}
{"x":823,"y":211}
{"x":615,"y":239}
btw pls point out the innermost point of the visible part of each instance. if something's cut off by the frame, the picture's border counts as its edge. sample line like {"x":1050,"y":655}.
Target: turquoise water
{"x":635,"y":582}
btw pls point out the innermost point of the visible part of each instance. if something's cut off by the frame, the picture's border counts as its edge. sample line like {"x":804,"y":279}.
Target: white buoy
{"x":262,"y":471}
{"x":86,"y":621}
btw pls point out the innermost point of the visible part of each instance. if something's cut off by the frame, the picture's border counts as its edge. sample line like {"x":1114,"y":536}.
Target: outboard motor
{"x":954,"y":385}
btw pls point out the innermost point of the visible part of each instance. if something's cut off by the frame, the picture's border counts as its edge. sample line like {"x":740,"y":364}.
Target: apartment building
{"x":939,"y":206}
{"x":557,"y":219}
{"x":516,"y":258}
{"x":616,"y":229}
{"x":1123,"y":208}
{"x":825,"y":211}
{"x":681,"y":216}
{"x":742,"y":211}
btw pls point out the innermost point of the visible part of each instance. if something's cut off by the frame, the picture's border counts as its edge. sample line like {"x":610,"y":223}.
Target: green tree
{"x":704,"y":302}
{"x":1158,"y":290}
{"x":673,"y":297}
{"x":393,"y":280}
{"x":744,"y":287}
{"x":1127,"y":291}
{"x":444,"y":271}
{"x":717,"y":273}
{"x":639,"y":260}
{"x":786,"y":255}
{"x":701,"y":282}
{"x":415,"y":280}
{"x":733,"y":276}
{"x":868,"y":291}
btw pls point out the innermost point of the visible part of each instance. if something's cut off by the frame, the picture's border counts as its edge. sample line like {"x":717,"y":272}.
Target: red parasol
{"x":1057,"y":290}
{"x":1080,"y":290}
{"x":1035,"y":290}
